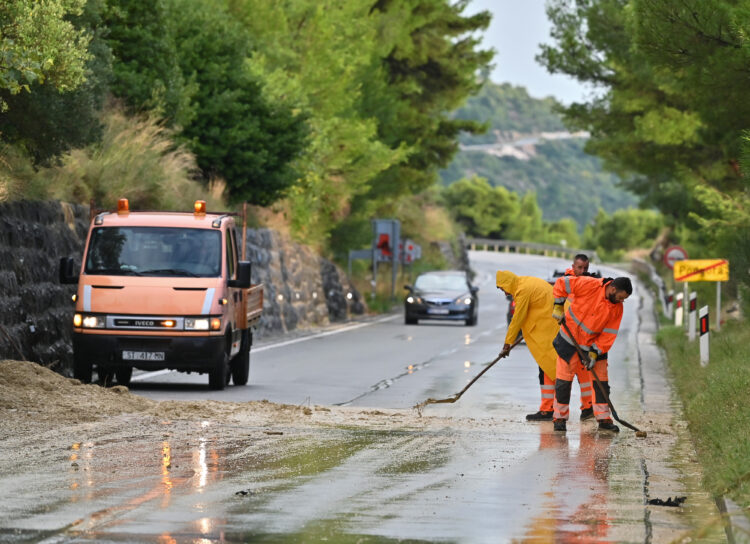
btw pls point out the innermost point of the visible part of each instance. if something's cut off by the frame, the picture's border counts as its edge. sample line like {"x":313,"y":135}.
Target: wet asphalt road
{"x":497,"y":479}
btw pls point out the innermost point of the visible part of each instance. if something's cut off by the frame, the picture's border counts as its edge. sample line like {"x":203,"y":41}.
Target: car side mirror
{"x":409,"y":288}
{"x":474,"y":290}
{"x":67,"y":272}
{"x":243,"y":276}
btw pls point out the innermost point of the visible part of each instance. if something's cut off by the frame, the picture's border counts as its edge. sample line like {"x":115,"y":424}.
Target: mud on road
{"x":82,"y":462}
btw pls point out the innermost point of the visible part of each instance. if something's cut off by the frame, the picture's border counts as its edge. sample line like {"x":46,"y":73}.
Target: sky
{"x":516,"y":30}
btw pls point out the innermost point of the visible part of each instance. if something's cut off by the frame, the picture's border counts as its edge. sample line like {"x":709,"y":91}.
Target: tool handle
{"x":582,"y":356}
{"x":485,"y":369}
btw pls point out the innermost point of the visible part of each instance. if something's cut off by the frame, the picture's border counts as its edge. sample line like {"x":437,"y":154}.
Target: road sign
{"x":674,"y":254}
{"x":702,"y":270}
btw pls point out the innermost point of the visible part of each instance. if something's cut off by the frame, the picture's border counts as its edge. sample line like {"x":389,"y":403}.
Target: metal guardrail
{"x":516,"y":246}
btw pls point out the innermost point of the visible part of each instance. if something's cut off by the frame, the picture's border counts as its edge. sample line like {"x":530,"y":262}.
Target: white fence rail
{"x":532,"y":248}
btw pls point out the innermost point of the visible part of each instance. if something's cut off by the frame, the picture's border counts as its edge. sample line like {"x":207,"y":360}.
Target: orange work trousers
{"x":547,"y":385}
{"x":565,"y":373}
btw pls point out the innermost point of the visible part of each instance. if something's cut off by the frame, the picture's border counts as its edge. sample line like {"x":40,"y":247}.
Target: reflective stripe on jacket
{"x":592,"y":319}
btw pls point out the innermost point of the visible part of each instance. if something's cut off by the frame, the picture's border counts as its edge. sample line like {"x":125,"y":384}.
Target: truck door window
{"x":154,"y":251}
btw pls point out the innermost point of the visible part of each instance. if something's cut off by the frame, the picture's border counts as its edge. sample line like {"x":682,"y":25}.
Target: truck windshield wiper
{"x":170,"y":271}
{"x":114,"y":272}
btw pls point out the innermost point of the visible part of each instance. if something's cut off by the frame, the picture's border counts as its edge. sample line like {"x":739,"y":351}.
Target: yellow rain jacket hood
{"x":533,"y":317}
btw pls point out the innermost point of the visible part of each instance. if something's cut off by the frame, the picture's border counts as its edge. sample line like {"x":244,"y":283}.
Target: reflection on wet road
{"x":482,"y":474}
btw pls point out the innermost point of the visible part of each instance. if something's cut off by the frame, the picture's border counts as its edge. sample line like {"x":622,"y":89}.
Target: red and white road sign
{"x":674,"y":254}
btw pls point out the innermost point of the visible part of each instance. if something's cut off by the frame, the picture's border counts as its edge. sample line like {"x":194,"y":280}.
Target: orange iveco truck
{"x":163,"y":290}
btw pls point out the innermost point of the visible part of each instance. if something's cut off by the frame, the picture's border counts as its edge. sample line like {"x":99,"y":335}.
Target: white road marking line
{"x":327,"y":333}
{"x":147,"y":375}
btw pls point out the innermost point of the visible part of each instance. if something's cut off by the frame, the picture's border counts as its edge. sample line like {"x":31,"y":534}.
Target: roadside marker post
{"x":678,"y":311}
{"x":691,"y":315}
{"x":670,"y":304}
{"x":704,"y":335}
{"x":685,"y":305}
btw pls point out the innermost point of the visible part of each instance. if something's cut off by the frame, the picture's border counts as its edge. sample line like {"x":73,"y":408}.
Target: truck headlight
{"x":89,"y":321}
{"x":196,"y":324}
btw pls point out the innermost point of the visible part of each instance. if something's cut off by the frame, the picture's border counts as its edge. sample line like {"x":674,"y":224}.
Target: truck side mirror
{"x":67,"y":272}
{"x":243,"y":276}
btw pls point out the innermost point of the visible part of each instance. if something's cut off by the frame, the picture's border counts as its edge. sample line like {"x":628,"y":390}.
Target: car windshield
{"x":441,"y":282}
{"x":154,"y":251}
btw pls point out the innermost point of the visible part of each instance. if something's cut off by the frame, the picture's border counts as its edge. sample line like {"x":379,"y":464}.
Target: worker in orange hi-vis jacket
{"x":593,"y":319}
{"x":534,"y":300}
{"x":585,"y":381}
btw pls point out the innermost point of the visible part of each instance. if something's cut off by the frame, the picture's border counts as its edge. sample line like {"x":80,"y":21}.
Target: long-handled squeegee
{"x":639,"y":433}
{"x":454,"y":398}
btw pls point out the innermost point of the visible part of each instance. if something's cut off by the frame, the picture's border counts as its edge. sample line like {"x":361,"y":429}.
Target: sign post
{"x":704,"y":335}
{"x":704,"y":270}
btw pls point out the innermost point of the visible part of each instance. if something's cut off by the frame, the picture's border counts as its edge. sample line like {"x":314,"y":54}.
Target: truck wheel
{"x":82,"y":369}
{"x":106,"y":375}
{"x":124,"y":374}
{"x":219,"y":375}
{"x":241,"y":361}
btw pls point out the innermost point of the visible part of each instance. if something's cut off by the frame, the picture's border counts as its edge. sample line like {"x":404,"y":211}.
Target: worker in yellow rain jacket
{"x":534,"y":301}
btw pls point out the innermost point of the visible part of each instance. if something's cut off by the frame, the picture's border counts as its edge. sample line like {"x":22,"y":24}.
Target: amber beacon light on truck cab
{"x":163,"y":290}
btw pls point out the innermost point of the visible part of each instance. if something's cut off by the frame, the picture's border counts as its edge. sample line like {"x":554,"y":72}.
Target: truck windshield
{"x":154,"y":251}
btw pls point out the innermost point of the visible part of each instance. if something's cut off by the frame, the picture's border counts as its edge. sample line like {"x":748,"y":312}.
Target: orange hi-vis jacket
{"x":592,"y":319}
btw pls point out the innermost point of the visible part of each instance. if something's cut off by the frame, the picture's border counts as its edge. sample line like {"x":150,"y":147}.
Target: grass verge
{"x":715,"y":403}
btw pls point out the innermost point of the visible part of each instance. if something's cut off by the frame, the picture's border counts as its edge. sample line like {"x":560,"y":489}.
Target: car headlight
{"x":89,"y":321}
{"x":463,"y":300}
{"x":196,"y":324}
{"x":467,"y":301}
{"x":413,"y":300}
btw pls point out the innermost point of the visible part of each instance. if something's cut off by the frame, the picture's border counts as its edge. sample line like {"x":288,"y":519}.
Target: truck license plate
{"x":439,"y":311}
{"x":143,"y":355}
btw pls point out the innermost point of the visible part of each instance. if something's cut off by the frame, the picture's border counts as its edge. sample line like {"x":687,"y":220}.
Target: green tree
{"x":236,"y":131}
{"x":314,"y":56}
{"x":671,"y":108}
{"x":147,"y":72}
{"x":482,"y":210}
{"x":39,"y":45}
{"x":46,"y":121}
{"x":432,"y":64}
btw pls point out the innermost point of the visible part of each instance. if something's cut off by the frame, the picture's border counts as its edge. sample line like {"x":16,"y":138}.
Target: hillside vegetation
{"x":568,"y":182}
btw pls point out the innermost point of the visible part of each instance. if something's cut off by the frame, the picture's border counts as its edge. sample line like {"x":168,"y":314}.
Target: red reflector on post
{"x":123,"y":206}
{"x":200,"y":207}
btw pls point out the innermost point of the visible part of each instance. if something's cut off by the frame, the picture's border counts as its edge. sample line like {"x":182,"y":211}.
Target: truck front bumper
{"x":187,"y":353}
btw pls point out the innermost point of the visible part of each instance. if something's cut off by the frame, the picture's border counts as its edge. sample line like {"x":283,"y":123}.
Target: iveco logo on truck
{"x":163,"y":290}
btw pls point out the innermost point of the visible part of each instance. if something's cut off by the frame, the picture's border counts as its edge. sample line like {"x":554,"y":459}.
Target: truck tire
{"x":106,"y":376}
{"x":124,"y":374}
{"x":241,"y":361}
{"x":219,"y":375}
{"x":82,"y":369}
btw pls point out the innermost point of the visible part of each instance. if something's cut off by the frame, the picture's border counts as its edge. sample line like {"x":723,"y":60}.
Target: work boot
{"x":539,"y":416}
{"x":607,"y":425}
{"x":560,"y":425}
{"x":587,"y":413}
